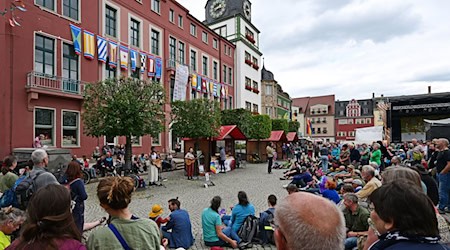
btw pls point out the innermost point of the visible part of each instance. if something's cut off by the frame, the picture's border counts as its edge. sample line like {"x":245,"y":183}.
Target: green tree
{"x":124,"y":107}
{"x":280,"y":124}
{"x":261,"y":129}
{"x":240,"y":117}
{"x":294,"y":126}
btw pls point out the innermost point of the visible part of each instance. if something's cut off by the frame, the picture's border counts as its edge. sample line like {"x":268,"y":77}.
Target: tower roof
{"x":266,"y":75}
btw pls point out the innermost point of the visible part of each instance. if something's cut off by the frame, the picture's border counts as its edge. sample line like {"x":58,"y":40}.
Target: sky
{"x":352,"y":48}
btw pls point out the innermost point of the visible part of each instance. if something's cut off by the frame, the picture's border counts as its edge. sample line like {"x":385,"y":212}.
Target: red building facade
{"x":351,"y":115}
{"x":43,"y":78}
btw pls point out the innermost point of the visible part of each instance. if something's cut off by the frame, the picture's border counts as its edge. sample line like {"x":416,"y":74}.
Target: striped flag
{"x":218,"y":90}
{"x":223,"y":91}
{"x":143,"y":62}
{"x":102,"y":49}
{"x":133,"y":59}
{"x":308,"y":127}
{"x":158,"y":67}
{"x":194,"y":81}
{"x":151,"y":66}
{"x":199,"y":83}
{"x":112,"y":54}
{"x":215,"y":89}
{"x":123,"y":57}
{"x":204,"y":90}
{"x":211,"y":87}
{"x":76,"y":38}
{"x":89,"y":44}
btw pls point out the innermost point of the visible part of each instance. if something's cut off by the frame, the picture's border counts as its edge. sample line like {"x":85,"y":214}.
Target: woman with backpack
{"x":77,"y":192}
{"x":243,"y":209}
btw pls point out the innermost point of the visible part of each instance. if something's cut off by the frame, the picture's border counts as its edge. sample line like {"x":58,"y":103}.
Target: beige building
{"x":274,"y":101}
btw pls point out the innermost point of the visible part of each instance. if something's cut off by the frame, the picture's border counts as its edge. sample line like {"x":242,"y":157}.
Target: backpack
{"x":249,"y":230}
{"x":268,"y":228}
{"x":24,"y":190}
{"x":9,"y":197}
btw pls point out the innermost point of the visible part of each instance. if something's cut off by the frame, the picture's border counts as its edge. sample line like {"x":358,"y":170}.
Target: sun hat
{"x":156,"y":211}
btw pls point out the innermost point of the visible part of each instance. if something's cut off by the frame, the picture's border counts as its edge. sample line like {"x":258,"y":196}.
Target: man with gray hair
{"x":372,"y":183}
{"x":39,"y":174}
{"x":316,"y":223}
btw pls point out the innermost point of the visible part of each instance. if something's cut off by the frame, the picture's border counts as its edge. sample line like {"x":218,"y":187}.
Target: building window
{"x":255,"y":61}
{"x":248,"y":106}
{"x":205,"y":66}
{"x":180,"y":21}
{"x":136,"y":141}
{"x":225,"y":102}
{"x":70,"y":9}
{"x":249,"y":33}
{"x":318,"y":130}
{"x":269,"y":89}
{"x":324,"y":130}
{"x":172,"y":49}
{"x":230,"y":76}
{"x":171,"y":16}
{"x":255,"y":108}
{"x":368,"y":121}
{"x":111,"y":21}
{"x":70,"y":69}
{"x":365,"y":111}
{"x":255,"y":85}
{"x":156,"y":6}
{"x":110,"y":72}
{"x":215,"y":69}
{"x":155,"y":42}
{"x":49,"y":4}
{"x":181,"y":53}
{"x":205,"y":37}
{"x":44,"y":125}
{"x":193,"y":29}
{"x":222,"y":31}
{"x":215,"y":43}
{"x":224,"y":73}
{"x":156,"y":141}
{"x":135,"y":36}
{"x":269,"y":111}
{"x":193,"y":60}
{"x":230,"y":102}
{"x":248,"y":57}
{"x":44,"y":55}
{"x":70,"y":129}
{"x":248,"y":83}
{"x":324,"y":120}
{"x":313,"y":131}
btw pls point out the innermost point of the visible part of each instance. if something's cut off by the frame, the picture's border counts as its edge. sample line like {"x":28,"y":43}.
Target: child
{"x":155,"y":215}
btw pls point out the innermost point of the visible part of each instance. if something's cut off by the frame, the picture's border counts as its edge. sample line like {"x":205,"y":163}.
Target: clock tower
{"x":232,"y":19}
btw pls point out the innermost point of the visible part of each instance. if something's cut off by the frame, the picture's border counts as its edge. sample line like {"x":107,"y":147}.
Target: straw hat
{"x":156,"y":211}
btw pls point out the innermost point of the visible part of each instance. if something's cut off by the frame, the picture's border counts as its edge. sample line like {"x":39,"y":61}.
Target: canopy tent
{"x":292,"y":137}
{"x":438,"y":122}
{"x":276,"y":136}
{"x":230,"y":132}
{"x":369,"y":134}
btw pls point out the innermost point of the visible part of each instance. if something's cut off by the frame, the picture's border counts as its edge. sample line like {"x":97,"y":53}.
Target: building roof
{"x":276,"y":136}
{"x":292,"y":136}
{"x":230,"y":132}
{"x":306,"y":102}
{"x":266,"y":75}
{"x":302,"y":103}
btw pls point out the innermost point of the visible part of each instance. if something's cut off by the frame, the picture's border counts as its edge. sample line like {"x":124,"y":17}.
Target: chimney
{"x":429,"y":89}
{"x":382,"y":95}
{"x":373,"y":95}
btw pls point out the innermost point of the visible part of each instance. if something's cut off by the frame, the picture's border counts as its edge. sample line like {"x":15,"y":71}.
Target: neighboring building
{"x":275,"y":102}
{"x":299,"y":117}
{"x":232,"y":20}
{"x":351,"y":115}
{"x":320,"y":111}
{"x":43,"y":81}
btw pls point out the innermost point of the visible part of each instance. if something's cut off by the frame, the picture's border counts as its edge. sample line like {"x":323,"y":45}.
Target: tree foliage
{"x":280,"y":124}
{"x":294,"y":126}
{"x":261,"y":127}
{"x":198,"y":118}
{"x":240,"y":117}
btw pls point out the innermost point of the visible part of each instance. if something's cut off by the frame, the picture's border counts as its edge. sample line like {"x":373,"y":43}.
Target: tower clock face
{"x":247,"y":10}
{"x":217,"y":8}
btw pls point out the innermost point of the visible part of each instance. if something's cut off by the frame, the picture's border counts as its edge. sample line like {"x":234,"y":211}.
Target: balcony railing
{"x":55,"y":83}
{"x":172,"y":64}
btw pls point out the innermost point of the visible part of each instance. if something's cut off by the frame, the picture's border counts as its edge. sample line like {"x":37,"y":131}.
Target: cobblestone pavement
{"x":194,"y":197}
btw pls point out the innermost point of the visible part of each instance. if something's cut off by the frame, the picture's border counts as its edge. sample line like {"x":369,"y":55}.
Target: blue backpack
{"x":9,"y":197}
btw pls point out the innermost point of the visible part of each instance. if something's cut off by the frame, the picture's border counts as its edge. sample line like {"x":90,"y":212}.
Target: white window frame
{"x":218,"y":70}
{"x":178,"y":51}
{"x":55,"y":4}
{"x":215,"y":43}
{"x":159,"y":140}
{"x":62,"y":59}
{"x":203,"y":37}
{"x":116,"y":140}
{"x":161,"y":40}
{"x":55,"y":54}
{"x":172,"y":16}
{"x":139,"y":144}
{"x":196,"y":59}
{"x":118,"y":19}
{"x":54,"y":123}
{"x":208,"y":70}
{"x":78,"y":20}
{"x":180,"y":24}
{"x":193,"y":29}
{"x":152,"y":7}
{"x":141,"y":33}
{"x":78,"y":128}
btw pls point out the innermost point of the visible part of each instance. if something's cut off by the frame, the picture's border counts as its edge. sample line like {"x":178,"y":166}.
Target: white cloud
{"x":352,"y":48}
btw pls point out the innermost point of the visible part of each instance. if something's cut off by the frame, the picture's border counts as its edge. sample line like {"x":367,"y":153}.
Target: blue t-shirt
{"x":210,"y":219}
{"x":239,"y":214}
{"x":331,"y":195}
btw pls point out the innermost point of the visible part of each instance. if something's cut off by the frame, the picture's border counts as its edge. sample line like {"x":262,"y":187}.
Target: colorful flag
{"x":102,"y":49}
{"x":222,"y":94}
{"x":199,"y":83}
{"x":112,"y":54}
{"x":212,"y":167}
{"x":143,"y":62}
{"x":219,"y":88}
{"x":194,"y":81}
{"x":158,"y":67}
{"x":133,"y":59}
{"x":204,"y":90}
{"x":211,"y":87}
{"x":123,"y":57}
{"x":215,"y":89}
{"x":226,"y":92}
{"x":76,"y":38}
{"x":308,"y":127}
{"x":89,"y":44}
{"x":151,"y":65}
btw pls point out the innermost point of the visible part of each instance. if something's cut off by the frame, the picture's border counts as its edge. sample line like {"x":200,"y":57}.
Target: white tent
{"x":369,"y":134}
{"x":438,"y":122}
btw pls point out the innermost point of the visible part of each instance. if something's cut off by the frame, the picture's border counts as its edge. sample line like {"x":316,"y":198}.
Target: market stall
{"x":257,"y":149}
{"x":292,"y":137}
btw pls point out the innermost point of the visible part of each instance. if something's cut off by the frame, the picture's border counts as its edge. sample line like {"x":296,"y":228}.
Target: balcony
{"x":46,"y":84}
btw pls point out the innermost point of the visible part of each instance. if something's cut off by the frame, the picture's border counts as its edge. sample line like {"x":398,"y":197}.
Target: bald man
{"x":315,"y":224}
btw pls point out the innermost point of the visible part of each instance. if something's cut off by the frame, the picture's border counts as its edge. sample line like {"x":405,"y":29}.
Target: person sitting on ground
{"x":291,"y":188}
{"x":266,"y":221}
{"x":11,"y":219}
{"x":49,"y":223}
{"x":349,"y":173}
{"x":372,"y":183}
{"x":396,"y":161}
{"x":355,"y":220}
{"x":430,"y":183}
{"x":155,"y":215}
{"x":315,"y":223}
{"x":239,"y":212}
{"x":179,"y":225}
{"x":295,"y":169}
{"x":302,"y":179}
{"x":114,"y":194}
{"x":214,"y":232}
{"x":399,"y":228}
{"x":357,"y":184}
{"x":345,"y":189}
{"x":330,"y":191}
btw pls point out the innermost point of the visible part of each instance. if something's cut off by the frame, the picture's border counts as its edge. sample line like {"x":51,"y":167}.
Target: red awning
{"x":292,"y":136}
{"x":230,"y":132}
{"x":276,"y":136}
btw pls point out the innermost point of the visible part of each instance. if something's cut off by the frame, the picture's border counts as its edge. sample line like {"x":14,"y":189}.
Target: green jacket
{"x":139,"y":234}
{"x":357,"y":222}
{"x":7,"y":181}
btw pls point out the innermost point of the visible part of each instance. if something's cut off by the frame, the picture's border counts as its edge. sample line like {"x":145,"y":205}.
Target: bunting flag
{"x":194,"y":81}
{"x":204,"y":85}
{"x":151,"y":66}
{"x":102,"y":49}
{"x":215,"y":89}
{"x":143,"y":62}
{"x":223,"y":91}
{"x":89,"y":44}
{"x":218,"y":90}
{"x":199,"y":83}
{"x":76,"y":38}
{"x":133,"y":59}
{"x":308,"y":127}
{"x":158,"y":67}
{"x":211,"y":87}
{"x":112,"y":54}
{"x":226,"y":92}
{"x":123,"y":57}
